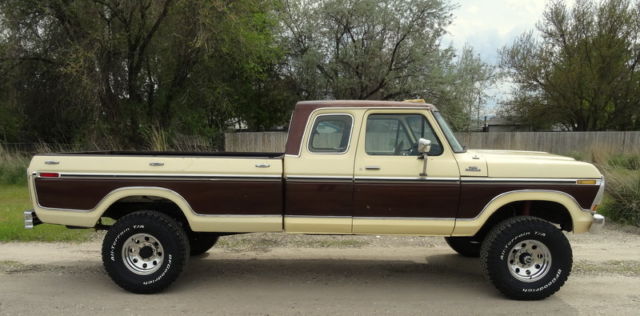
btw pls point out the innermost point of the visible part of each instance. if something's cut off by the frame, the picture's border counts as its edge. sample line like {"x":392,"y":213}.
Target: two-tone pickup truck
{"x":350,"y":167}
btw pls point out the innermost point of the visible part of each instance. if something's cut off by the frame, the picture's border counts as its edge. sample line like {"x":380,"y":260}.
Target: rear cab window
{"x":331,"y":133}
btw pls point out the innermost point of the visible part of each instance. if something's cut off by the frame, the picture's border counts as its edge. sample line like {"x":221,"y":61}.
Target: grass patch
{"x":14,"y":200}
{"x":13,"y":167}
{"x":622,"y":201}
{"x":622,"y":174}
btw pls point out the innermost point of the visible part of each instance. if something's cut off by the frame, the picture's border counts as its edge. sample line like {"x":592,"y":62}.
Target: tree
{"x":582,"y":71}
{"x":116,"y":69}
{"x":380,"y":49}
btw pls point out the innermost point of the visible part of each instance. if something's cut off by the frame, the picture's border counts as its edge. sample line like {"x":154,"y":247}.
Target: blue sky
{"x":488,"y":25}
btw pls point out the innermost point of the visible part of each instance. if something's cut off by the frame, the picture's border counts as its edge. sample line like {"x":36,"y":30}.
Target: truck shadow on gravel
{"x":437,"y":273}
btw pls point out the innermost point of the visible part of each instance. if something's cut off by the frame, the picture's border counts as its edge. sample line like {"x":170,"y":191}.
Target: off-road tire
{"x":201,"y":242}
{"x":506,"y":238}
{"x":465,"y":246}
{"x":166,"y":231}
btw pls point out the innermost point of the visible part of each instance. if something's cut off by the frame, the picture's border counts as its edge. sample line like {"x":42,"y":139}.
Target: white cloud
{"x":488,"y":25}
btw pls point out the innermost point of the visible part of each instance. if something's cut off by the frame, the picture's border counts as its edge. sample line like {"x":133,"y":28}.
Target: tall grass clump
{"x":622,"y":175}
{"x":13,"y":167}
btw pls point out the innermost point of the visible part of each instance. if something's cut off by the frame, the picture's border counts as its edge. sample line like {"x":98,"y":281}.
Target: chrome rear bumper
{"x":598,"y":223}
{"x":31,"y":219}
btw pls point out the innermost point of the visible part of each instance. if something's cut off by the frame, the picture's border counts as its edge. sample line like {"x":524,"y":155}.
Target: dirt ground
{"x":278,"y":274}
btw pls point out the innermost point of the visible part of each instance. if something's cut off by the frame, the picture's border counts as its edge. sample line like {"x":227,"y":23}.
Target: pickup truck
{"x":349,"y":167}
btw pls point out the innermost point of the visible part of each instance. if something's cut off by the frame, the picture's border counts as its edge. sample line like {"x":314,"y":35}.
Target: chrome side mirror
{"x":424,"y":146}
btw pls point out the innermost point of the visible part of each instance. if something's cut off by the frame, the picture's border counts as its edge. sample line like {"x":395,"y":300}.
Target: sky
{"x":488,"y":25}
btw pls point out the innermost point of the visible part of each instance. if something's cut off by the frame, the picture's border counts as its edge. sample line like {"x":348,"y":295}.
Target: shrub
{"x":622,"y":175}
{"x":13,"y":167}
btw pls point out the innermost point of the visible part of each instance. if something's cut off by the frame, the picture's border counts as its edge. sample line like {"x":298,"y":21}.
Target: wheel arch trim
{"x":581,"y":218}
{"x":89,"y":218}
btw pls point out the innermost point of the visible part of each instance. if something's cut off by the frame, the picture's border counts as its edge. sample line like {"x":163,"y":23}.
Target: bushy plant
{"x":13,"y":167}
{"x":622,"y":175}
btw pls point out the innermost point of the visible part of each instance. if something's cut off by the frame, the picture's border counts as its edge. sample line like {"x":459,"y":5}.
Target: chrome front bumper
{"x":598,"y":223}
{"x":31,"y":219}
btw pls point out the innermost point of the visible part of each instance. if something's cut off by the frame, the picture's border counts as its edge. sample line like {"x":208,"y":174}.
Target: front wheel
{"x":526,"y":258}
{"x":145,"y":251}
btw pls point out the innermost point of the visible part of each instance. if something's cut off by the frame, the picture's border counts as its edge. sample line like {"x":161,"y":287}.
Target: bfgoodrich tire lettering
{"x":517,"y":243}
{"x":170,"y":254}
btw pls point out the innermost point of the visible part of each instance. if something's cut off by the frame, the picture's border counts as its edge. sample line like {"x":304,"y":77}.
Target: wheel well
{"x":550,"y":211}
{"x":131,"y":204}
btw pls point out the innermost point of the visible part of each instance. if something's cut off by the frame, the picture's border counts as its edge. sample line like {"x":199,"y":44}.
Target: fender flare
{"x":89,"y":218}
{"x":469,"y":227}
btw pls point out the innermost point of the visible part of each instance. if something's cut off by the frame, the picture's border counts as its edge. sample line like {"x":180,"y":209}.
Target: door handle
{"x":156,"y":164}
{"x":372,"y":167}
{"x":263,"y":165}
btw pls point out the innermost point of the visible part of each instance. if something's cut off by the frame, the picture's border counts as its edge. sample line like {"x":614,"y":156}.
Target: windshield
{"x":455,"y":145}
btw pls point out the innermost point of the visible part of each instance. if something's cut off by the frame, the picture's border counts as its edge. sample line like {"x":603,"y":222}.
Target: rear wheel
{"x":201,"y":242}
{"x":145,"y":251}
{"x":466,"y":246}
{"x":526,"y":258}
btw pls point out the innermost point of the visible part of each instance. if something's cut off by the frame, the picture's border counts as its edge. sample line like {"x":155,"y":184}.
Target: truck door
{"x":319,"y":181}
{"x":390,"y":195}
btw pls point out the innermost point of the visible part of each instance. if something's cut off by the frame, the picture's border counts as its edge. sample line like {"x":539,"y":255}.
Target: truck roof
{"x":315,"y":104}
{"x":304,"y":108}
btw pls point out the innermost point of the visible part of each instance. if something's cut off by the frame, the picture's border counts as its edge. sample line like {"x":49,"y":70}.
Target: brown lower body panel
{"x":206,"y":196}
{"x":475,"y":196}
{"x":406,"y":199}
{"x":323,"y":198}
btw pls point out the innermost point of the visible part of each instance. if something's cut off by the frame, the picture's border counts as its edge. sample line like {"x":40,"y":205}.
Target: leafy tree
{"x":83,"y":70}
{"x":380,"y":49}
{"x":582,"y":69}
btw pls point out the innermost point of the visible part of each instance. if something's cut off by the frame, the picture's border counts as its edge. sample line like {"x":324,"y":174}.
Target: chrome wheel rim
{"x":142,"y":254}
{"x":529,"y":260}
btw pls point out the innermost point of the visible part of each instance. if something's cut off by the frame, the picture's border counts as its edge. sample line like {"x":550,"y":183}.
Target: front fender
{"x":580,"y":218}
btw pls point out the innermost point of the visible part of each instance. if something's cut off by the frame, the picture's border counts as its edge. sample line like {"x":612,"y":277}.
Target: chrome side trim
{"x":407,"y":218}
{"x":173,"y":176}
{"x":296,"y":177}
{"x":316,"y":179}
{"x":314,"y":216}
{"x":416,"y":179}
{"x":519,"y":191}
{"x":550,"y":180}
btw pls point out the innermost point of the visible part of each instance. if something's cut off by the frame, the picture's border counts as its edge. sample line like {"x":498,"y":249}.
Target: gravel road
{"x":278,"y":274}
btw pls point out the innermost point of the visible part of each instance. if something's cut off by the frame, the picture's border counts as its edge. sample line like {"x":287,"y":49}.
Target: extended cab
{"x":350,"y":167}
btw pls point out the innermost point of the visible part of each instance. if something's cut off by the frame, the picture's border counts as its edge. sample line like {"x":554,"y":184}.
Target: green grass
{"x":14,"y":200}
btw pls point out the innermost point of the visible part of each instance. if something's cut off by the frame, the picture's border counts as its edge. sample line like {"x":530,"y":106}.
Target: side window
{"x":398,"y":135}
{"x":330,"y":134}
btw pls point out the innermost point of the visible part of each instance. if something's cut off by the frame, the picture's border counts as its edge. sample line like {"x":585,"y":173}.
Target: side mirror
{"x":424,"y":146}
